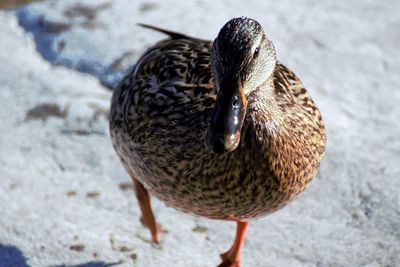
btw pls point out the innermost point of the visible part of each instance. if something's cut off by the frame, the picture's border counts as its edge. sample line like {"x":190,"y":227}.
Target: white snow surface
{"x":63,"y":195}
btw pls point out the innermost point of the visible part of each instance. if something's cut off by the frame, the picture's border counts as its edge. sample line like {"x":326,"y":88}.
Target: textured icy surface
{"x":63,"y":194}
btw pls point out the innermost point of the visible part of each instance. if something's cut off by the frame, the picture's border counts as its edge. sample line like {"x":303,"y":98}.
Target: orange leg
{"x":231,"y":258}
{"x":147,"y":218}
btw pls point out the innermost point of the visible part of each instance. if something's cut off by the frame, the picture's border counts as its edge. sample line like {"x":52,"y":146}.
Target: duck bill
{"x":226,"y":123}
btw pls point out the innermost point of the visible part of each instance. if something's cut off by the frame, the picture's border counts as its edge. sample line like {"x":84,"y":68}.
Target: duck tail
{"x":172,"y":34}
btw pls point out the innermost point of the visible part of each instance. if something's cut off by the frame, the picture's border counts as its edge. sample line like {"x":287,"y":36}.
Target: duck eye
{"x":256,"y":52}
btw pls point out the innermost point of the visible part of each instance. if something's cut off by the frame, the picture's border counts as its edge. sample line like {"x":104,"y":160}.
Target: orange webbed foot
{"x":155,"y":229}
{"x":228,"y":263}
{"x":231,"y":258}
{"x":227,"y":260}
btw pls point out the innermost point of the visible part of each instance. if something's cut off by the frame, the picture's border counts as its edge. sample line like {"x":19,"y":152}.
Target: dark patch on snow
{"x":82,"y":132}
{"x":45,"y":111}
{"x":85,"y":11}
{"x":134,"y":257}
{"x":125,"y":186}
{"x":200,"y":229}
{"x":71,"y":193}
{"x":124,"y":249}
{"x":78,"y":248}
{"x":146,"y":7}
{"x":52,"y":27}
{"x":92,"y":194}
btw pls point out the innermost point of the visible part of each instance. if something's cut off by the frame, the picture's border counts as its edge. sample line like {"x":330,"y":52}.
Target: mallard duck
{"x":217,"y":129}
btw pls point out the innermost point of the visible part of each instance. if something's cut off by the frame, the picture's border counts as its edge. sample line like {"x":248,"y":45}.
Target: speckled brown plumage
{"x":158,"y":122}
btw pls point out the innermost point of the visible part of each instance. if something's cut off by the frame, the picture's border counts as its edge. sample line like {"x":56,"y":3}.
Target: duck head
{"x":242,"y":59}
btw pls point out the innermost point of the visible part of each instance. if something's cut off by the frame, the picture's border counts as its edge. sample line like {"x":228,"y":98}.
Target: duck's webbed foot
{"x":231,"y":258}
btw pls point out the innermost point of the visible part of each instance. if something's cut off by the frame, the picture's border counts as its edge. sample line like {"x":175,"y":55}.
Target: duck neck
{"x":264,"y":118}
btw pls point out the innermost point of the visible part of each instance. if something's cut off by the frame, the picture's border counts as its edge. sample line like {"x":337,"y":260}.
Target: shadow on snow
{"x":11,"y":256}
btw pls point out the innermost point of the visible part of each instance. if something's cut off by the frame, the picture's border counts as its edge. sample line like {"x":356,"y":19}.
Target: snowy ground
{"x":65,"y":199}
